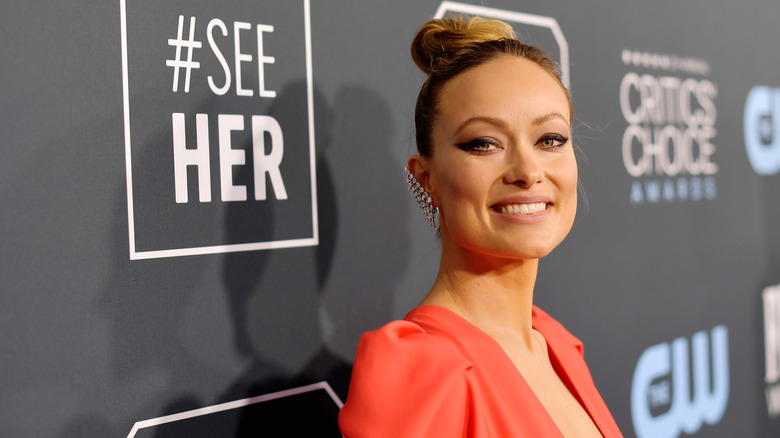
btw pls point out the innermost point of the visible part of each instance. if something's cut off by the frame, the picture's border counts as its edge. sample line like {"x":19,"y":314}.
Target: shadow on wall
{"x":274,"y":296}
{"x":279,"y":299}
{"x":373,"y":249}
{"x":294,"y":314}
{"x":144,"y":303}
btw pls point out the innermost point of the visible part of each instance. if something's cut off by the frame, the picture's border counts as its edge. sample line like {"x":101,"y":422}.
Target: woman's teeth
{"x":523,"y":208}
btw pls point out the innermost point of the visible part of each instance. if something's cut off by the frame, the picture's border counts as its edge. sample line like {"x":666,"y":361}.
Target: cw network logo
{"x":762,"y":129}
{"x":662,"y":404}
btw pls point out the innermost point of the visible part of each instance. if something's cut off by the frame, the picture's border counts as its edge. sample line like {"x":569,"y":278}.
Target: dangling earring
{"x":424,"y":200}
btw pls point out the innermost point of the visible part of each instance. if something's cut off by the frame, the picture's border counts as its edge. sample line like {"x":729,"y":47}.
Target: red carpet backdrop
{"x":204,"y":206}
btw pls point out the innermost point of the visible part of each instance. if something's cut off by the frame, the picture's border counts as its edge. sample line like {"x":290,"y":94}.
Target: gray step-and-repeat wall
{"x":204,"y":206}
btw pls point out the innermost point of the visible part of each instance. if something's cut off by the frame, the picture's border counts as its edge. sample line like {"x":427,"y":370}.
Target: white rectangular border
{"x":518,"y":17}
{"x":217,"y":249}
{"x":235,"y":405}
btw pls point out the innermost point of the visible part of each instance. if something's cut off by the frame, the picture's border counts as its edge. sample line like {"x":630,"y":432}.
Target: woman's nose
{"x":523,"y":167}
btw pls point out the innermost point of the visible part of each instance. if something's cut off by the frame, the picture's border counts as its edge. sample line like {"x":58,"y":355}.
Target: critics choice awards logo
{"x":668,"y":146}
{"x":219,"y":138}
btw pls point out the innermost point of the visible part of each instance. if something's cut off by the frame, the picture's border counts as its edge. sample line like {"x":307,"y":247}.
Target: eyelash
{"x":555,"y":138}
{"x":475,"y":145}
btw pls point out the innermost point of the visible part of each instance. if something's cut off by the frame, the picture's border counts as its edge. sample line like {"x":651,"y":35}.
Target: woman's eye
{"x":479,"y":145}
{"x":553,"y":141}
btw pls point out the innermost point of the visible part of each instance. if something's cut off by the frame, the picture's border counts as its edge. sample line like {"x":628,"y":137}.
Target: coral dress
{"x":434,"y":374}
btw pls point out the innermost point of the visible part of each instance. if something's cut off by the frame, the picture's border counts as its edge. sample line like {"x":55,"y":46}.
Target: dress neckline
{"x":539,"y":322}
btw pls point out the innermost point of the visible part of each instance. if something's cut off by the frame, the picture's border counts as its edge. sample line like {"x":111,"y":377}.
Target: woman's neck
{"x":495,"y":294}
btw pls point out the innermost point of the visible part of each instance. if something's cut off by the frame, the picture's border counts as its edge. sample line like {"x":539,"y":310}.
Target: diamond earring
{"x":422,"y":197}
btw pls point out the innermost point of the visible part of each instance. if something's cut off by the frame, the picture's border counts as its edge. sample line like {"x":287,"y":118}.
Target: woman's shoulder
{"x":422,"y":337}
{"x":407,"y":379}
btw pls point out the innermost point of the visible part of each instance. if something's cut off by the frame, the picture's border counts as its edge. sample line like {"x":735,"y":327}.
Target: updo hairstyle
{"x":444,"y":48}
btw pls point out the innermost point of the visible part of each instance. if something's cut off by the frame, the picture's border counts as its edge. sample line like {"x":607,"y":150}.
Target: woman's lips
{"x":521,"y":208}
{"x":522,"y":205}
{"x":525,"y":212}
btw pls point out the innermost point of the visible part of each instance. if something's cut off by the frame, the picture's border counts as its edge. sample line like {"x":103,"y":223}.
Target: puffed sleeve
{"x":406,"y":383}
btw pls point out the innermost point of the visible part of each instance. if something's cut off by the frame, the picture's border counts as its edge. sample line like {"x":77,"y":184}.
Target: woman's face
{"x":503,"y":171}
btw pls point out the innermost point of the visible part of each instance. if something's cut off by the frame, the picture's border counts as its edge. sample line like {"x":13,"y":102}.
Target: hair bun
{"x":440,"y":40}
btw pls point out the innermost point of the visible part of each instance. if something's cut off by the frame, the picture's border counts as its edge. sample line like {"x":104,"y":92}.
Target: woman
{"x":476,"y":358}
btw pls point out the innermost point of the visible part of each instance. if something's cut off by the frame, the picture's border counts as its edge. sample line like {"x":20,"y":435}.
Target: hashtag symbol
{"x":189,"y":64}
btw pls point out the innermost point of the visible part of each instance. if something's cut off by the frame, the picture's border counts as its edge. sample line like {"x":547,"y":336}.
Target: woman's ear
{"x":421,"y":186}
{"x":419,"y":168}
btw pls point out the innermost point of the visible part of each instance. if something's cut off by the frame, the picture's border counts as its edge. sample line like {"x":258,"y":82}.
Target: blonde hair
{"x":443,"y":48}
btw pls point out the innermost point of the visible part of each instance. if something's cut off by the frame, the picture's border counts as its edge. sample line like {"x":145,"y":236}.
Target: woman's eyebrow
{"x":491,"y":120}
{"x":502,"y":124}
{"x":547,"y":117}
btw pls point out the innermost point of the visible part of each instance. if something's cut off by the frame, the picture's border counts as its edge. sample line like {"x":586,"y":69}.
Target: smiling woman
{"x":477,"y":358}
{"x":500,"y":142}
